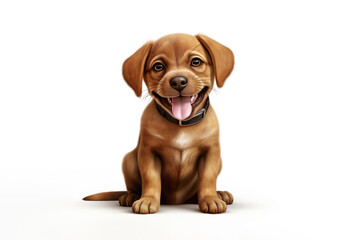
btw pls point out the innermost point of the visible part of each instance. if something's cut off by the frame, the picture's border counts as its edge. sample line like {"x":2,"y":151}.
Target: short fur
{"x":175,"y":164}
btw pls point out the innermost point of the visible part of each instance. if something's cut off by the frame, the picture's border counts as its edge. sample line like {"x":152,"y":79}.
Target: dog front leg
{"x":150,"y":171}
{"x":209,"y":169}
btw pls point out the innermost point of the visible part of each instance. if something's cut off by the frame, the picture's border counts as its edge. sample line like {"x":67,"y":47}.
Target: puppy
{"x":177,"y":158}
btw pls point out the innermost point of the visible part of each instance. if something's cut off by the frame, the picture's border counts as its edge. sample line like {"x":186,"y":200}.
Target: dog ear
{"x":221,"y":56}
{"x":133,"y":68}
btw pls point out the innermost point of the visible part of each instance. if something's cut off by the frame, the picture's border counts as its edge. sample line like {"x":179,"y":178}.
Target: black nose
{"x":178,"y":83}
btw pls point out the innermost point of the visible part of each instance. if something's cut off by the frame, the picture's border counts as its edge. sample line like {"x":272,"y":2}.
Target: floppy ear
{"x":221,"y":56}
{"x":133,"y":68}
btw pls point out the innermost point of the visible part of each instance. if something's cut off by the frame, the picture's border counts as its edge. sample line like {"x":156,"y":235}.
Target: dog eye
{"x":158,"y":67}
{"x":196,"y":62}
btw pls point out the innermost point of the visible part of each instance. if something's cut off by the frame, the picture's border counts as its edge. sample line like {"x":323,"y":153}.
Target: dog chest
{"x":182,"y":140}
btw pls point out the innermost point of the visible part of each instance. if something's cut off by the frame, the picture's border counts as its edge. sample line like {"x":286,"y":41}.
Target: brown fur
{"x":175,"y":164}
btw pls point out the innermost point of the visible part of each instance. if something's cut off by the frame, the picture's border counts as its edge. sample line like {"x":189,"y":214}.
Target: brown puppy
{"x":177,"y":159}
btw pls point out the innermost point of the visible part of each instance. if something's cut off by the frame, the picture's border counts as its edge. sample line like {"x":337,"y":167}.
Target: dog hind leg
{"x":132,"y":179}
{"x":226,"y":197}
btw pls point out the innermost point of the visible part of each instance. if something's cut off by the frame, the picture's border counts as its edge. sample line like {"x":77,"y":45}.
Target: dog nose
{"x":178,"y":83}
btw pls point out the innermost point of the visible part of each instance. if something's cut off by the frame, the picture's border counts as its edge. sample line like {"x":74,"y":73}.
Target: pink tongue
{"x":181,"y":107}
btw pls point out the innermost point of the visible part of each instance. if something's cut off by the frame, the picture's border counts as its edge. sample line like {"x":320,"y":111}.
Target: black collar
{"x":195,"y":119}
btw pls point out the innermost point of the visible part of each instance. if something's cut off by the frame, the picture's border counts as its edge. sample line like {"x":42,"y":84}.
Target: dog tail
{"x":105,"y":196}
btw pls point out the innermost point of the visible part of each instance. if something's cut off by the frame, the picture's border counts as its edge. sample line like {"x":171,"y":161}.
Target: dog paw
{"x":146,"y":205}
{"x":212,"y":205}
{"x":128,"y":199}
{"x":226,"y":197}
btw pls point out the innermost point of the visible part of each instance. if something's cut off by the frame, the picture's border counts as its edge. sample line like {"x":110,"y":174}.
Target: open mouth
{"x":182,"y":106}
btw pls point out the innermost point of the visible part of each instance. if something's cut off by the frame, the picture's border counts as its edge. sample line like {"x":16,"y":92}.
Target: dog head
{"x":179,"y":71}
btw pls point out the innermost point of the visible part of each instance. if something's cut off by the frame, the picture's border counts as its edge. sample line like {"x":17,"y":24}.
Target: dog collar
{"x":195,"y":119}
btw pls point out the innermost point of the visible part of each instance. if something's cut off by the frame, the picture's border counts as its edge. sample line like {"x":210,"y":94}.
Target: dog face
{"x":179,"y":71}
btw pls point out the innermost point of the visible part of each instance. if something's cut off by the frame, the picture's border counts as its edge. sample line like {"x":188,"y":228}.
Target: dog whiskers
{"x":216,"y":91}
{"x":147,"y":96}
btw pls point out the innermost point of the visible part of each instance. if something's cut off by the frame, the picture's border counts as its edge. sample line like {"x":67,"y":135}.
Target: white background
{"x":289,"y":118}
